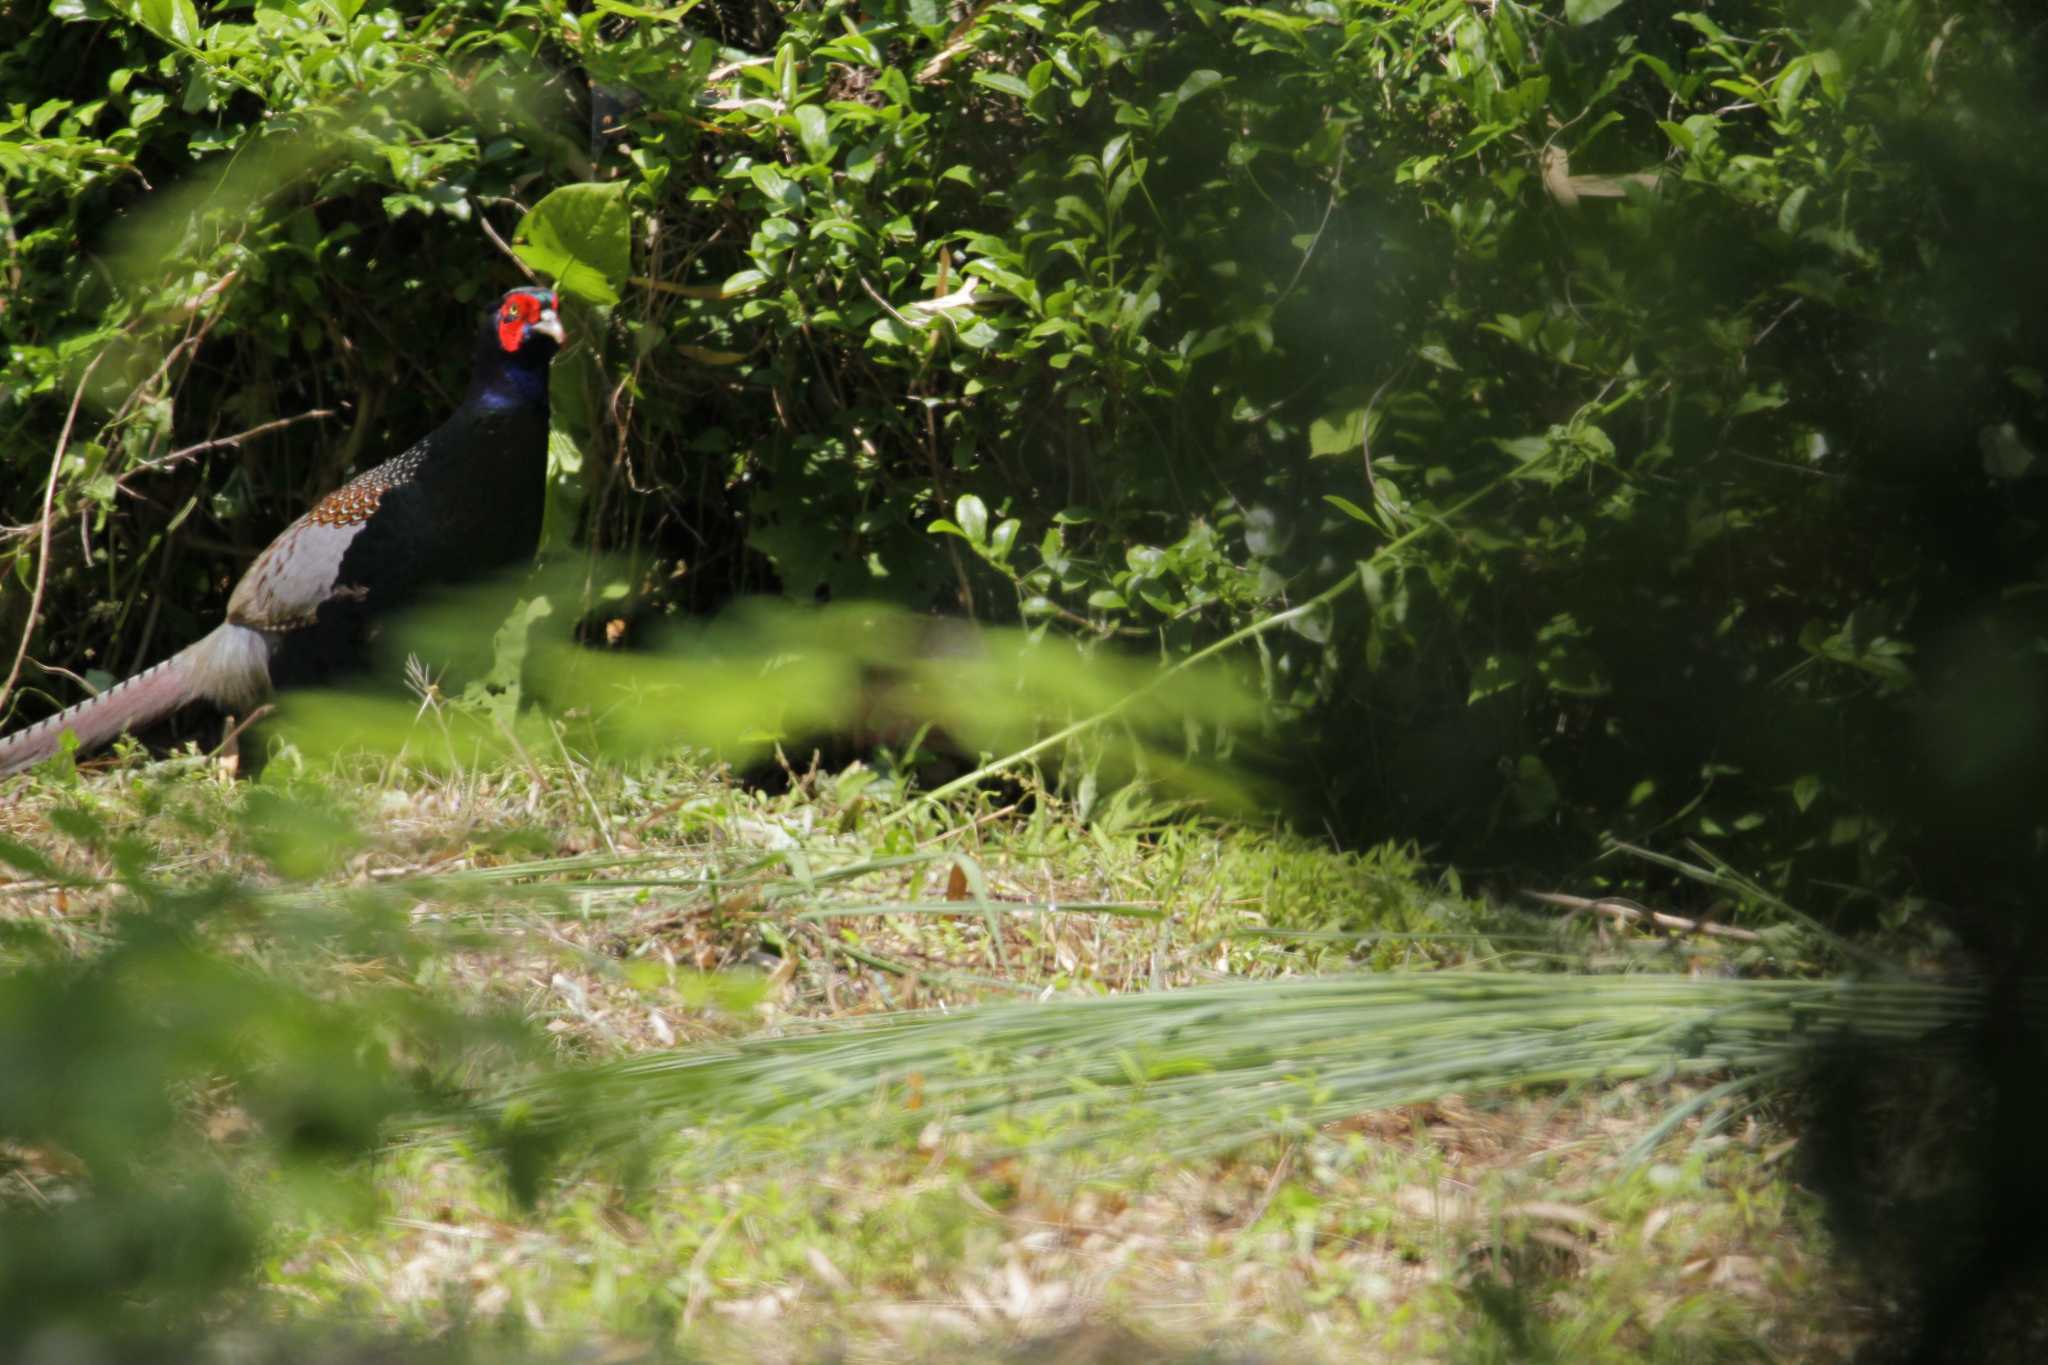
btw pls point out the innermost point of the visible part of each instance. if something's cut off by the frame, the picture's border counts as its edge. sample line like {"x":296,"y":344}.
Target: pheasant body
{"x":461,"y":503}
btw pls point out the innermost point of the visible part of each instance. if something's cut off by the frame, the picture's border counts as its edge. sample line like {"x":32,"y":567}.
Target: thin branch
{"x":190,"y":342}
{"x":235,"y":733}
{"x":13,"y":249}
{"x":957,"y":42}
{"x":178,"y":456}
{"x":35,"y":602}
{"x":1636,"y":914}
{"x":1281,"y":1168}
{"x":914,"y":326}
{"x":1329,"y":208}
{"x":483,"y":220}
{"x":688,"y":291}
{"x":1372,"y":485}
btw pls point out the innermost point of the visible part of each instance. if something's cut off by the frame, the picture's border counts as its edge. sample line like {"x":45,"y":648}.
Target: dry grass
{"x":1360,"y":1244}
{"x":617,"y":911}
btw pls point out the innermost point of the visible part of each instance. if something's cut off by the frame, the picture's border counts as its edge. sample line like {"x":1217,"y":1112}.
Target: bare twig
{"x":1372,"y":485}
{"x":177,"y":456}
{"x":978,"y":821}
{"x":1329,"y":208}
{"x":190,"y":342}
{"x":957,"y":42}
{"x":914,"y":326}
{"x":244,"y":723}
{"x":604,"y":826}
{"x":483,"y":220}
{"x":696,"y":1277}
{"x":688,"y":291}
{"x":13,"y":250}
{"x":35,"y":601}
{"x":1623,"y":910}
{"x":1772,"y":325}
{"x":1281,"y":1168}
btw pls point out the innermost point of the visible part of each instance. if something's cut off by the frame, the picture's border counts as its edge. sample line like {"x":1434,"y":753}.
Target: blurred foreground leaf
{"x":768,"y":672}
{"x":167,"y":1096}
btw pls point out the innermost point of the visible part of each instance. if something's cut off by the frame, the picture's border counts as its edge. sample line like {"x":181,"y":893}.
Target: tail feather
{"x":230,"y":665}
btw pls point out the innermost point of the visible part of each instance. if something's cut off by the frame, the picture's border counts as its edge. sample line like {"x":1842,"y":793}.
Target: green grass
{"x":1144,"y":1075}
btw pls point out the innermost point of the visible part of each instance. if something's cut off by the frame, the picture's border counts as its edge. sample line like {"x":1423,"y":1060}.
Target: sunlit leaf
{"x":1586,"y":11}
{"x":579,"y":236}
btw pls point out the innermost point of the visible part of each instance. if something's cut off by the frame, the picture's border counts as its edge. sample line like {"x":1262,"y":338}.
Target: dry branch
{"x":1624,"y":910}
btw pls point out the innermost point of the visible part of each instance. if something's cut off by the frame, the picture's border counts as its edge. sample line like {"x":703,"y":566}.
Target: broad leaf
{"x":580,"y":237}
{"x":1586,"y":11}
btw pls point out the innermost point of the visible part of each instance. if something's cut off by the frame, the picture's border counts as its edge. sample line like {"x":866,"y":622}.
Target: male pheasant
{"x":464,"y":501}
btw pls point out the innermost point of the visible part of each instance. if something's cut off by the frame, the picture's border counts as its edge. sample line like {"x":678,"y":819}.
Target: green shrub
{"x":1698,"y":351}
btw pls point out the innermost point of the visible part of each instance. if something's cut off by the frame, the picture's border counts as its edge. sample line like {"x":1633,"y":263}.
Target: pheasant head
{"x":518,"y":339}
{"x":528,"y":319}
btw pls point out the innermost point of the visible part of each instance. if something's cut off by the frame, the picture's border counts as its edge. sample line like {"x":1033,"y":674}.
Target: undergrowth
{"x":478,"y":946}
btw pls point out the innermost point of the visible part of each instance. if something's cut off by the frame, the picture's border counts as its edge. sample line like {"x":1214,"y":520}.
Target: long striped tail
{"x":230,"y":666}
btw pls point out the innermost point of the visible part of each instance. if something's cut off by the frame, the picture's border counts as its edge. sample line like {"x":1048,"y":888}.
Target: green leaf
{"x":1338,"y":434}
{"x":1315,"y":624}
{"x":174,"y":21}
{"x":180,"y":20}
{"x":1527,"y":449}
{"x":1003,"y":81}
{"x":1586,"y":11}
{"x":1497,"y":674}
{"x":814,"y":130}
{"x":1788,"y":212}
{"x":972,"y":515}
{"x":2006,"y":454}
{"x":579,"y":235}
{"x":1753,"y":401}
{"x":1348,"y":508}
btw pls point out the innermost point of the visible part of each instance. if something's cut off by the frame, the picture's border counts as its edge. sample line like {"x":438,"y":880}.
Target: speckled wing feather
{"x":298,"y":573}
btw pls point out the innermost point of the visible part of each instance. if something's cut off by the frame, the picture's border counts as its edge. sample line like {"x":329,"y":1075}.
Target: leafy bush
{"x":1674,"y":377}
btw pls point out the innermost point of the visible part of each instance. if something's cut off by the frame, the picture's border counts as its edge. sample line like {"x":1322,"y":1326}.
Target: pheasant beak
{"x":550,"y":325}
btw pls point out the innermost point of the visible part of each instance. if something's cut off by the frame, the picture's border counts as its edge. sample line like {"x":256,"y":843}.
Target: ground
{"x":625,"y":912}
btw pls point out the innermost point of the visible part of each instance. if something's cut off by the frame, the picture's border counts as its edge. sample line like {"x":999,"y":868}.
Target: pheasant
{"x":464,"y":501}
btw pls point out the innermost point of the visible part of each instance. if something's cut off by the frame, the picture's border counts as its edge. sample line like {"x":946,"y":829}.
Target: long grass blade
{"x":1212,"y":1067}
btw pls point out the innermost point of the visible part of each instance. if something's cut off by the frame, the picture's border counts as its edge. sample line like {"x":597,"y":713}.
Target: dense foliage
{"x":1689,"y":362}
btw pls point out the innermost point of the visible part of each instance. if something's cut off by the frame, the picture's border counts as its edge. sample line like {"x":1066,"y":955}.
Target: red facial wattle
{"x":526,"y":313}
{"x":513,"y":319}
